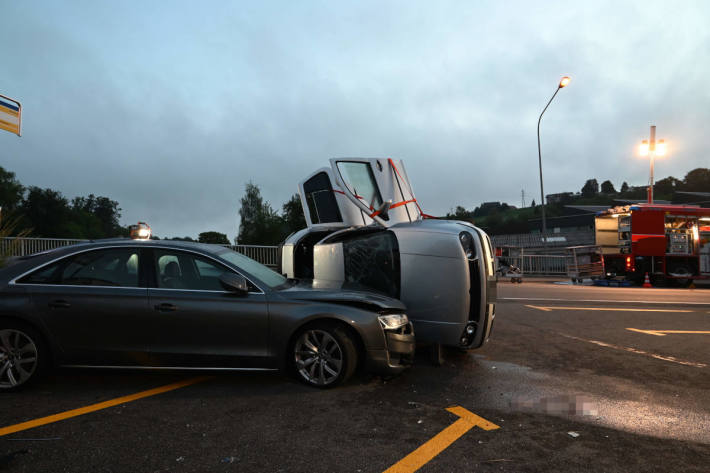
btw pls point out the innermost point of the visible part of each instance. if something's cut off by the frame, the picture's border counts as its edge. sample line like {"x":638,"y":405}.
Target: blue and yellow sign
{"x":10,"y":115}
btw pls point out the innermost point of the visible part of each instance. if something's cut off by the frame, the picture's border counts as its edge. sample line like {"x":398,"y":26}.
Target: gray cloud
{"x":170,"y":112}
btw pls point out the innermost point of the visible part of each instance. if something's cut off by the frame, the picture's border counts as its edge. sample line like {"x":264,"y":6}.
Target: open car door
{"x":378,"y":187}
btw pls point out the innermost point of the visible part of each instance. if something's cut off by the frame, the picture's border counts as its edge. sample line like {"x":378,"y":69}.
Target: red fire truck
{"x":669,"y":242}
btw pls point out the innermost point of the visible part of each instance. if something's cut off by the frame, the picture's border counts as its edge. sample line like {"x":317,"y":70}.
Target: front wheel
{"x":324,"y":355}
{"x":22,"y":354}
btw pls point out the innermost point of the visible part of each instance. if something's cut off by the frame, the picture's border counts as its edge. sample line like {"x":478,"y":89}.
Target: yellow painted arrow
{"x":663,"y":333}
{"x":441,"y":441}
{"x":612,"y":309}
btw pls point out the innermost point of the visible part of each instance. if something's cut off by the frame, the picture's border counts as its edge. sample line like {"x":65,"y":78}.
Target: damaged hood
{"x":336,"y":293}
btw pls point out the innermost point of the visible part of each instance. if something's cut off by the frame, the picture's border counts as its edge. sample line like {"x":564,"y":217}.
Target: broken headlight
{"x":393,"y":321}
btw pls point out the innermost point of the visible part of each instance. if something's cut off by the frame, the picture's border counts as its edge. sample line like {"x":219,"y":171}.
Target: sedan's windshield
{"x":268,"y":276}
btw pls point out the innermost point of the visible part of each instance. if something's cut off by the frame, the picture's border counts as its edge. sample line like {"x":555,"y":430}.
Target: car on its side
{"x":365,"y":226}
{"x":126,"y":303}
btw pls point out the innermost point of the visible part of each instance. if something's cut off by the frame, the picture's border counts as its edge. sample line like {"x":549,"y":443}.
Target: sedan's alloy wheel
{"x":18,"y":358}
{"x":319,"y":357}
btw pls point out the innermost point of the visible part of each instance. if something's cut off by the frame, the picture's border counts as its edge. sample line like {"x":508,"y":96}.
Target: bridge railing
{"x":267,"y":255}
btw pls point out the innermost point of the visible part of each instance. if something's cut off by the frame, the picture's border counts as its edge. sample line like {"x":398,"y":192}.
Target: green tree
{"x":11,"y":191}
{"x":608,"y":187}
{"x":666,"y":186}
{"x":213,"y":237}
{"x":259,"y":223}
{"x":697,"y":180}
{"x":591,"y":188}
{"x":292,"y":214}
{"x":47,"y":212}
{"x":624,"y":187}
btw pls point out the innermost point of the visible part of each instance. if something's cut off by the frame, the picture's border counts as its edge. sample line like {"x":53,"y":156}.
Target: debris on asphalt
{"x":419,"y":421}
{"x":413,"y":405}
{"x":229,"y":459}
{"x":180,"y":459}
{"x":573,"y":434}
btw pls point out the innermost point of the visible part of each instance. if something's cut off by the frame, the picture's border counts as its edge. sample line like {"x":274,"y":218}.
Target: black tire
{"x":323,"y":355}
{"x":20,"y":344}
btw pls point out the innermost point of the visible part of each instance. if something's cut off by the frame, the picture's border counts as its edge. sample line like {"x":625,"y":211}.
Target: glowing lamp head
{"x":140,"y":231}
{"x":661,"y":148}
{"x":564,"y":81}
{"x":643,"y":149}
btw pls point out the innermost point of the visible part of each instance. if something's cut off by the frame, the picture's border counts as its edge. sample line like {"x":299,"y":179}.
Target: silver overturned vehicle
{"x":366,"y":227}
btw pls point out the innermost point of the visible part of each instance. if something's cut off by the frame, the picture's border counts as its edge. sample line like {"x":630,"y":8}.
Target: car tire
{"x":323,"y":355}
{"x":23,"y":355}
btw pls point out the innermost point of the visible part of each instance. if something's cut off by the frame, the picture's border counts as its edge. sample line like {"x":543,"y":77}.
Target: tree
{"x":259,"y":223}
{"x":47,"y":212}
{"x":98,"y":216}
{"x":532,"y":204}
{"x":11,"y":191}
{"x":591,"y":188}
{"x":624,"y":187}
{"x":666,"y":186}
{"x":608,"y":187}
{"x":292,"y":214}
{"x":697,"y":180}
{"x":213,"y":237}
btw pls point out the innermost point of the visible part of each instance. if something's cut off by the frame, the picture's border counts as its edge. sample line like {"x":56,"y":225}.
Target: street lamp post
{"x":652,"y":149}
{"x":563,"y":83}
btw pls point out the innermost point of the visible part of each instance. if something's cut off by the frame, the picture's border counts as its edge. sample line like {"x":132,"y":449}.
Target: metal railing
{"x":267,"y":255}
{"x":26,"y":246}
{"x":547,"y":265}
{"x":534,"y":240}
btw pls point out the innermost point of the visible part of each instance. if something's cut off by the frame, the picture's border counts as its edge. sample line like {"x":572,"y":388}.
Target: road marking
{"x":663,"y":333}
{"x":638,"y":352}
{"x":441,"y":441}
{"x":613,"y":309}
{"x":599,"y":300}
{"x":11,"y":429}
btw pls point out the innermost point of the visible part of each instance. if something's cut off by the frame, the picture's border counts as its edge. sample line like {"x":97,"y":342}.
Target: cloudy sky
{"x":171,"y":107}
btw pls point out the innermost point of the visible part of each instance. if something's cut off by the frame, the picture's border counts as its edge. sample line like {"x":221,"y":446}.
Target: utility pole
{"x":522,"y":194}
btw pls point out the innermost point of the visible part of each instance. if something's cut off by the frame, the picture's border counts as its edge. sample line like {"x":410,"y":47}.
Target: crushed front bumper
{"x":398,"y":354}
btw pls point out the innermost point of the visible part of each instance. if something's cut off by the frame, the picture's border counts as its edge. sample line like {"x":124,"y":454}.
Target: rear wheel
{"x":324,"y":355}
{"x":22,"y":355}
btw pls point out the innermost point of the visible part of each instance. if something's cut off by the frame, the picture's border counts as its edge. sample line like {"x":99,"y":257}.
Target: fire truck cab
{"x":669,"y":242}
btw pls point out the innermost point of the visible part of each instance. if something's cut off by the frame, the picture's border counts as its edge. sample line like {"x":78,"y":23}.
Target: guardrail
{"x":535,"y":240}
{"x":26,"y":246}
{"x":548,"y":265}
{"x":267,"y":255}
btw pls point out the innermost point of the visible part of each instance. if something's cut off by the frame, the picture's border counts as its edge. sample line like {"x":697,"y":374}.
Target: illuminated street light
{"x":652,"y":149}
{"x":563,"y":83}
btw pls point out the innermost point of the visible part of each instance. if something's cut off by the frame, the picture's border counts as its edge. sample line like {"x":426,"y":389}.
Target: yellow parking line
{"x":11,"y":429}
{"x":663,"y":333}
{"x":613,"y":309}
{"x":441,"y":441}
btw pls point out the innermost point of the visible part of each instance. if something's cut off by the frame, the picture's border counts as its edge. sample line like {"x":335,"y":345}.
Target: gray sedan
{"x":173,"y":305}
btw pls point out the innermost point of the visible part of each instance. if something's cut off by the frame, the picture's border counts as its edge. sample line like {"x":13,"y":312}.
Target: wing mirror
{"x":384,"y":209}
{"x":236,"y":283}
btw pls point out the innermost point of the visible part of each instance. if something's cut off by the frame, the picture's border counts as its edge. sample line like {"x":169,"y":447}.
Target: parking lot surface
{"x":575,"y":378}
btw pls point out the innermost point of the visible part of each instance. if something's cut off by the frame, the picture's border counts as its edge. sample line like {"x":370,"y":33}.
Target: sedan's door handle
{"x":165,"y":307}
{"x":59,"y":304}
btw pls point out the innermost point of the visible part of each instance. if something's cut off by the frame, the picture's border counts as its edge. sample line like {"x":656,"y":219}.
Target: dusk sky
{"x":171,"y":107}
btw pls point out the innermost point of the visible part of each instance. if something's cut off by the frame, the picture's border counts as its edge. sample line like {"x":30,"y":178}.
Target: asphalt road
{"x":570,"y":387}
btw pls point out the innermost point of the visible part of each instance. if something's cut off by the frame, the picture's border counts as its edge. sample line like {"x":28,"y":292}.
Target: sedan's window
{"x":181,"y":270}
{"x":46,"y":275}
{"x":111,"y":267}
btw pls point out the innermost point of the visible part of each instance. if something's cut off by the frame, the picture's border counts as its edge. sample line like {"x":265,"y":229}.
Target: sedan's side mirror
{"x":236,"y":283}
